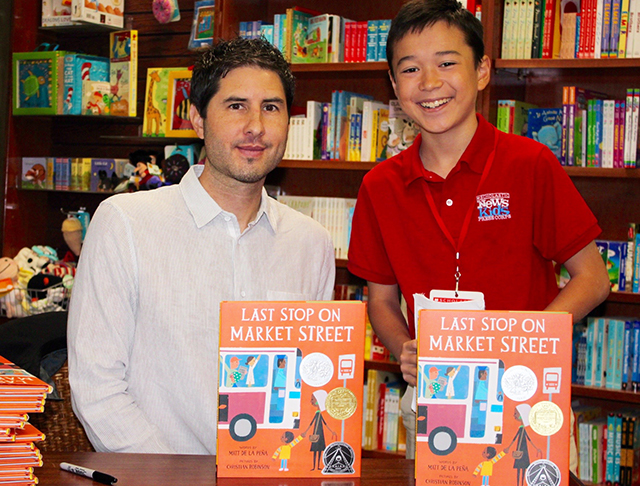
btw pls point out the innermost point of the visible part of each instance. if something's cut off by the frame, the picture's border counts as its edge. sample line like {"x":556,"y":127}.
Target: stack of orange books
{"x":20,"y":394}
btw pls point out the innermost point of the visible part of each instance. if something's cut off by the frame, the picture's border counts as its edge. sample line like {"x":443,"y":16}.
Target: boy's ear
{"x":393,"y":83}
{"x":484,"y":73}
{"x":197,"y":121}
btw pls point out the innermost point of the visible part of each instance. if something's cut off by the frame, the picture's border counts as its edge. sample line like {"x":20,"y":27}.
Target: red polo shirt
{"x":527,"y":212}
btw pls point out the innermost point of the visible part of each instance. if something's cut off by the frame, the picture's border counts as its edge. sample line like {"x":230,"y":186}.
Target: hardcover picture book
{"x":493,"y":397}
{"x":155,"y":102}
{"x":290,"y":389}
{"x":37,"y":82}
{"x":545,"y":126}
{"x":123,"y":72}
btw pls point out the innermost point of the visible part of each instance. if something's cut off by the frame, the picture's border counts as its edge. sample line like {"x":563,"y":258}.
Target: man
{"x":143,"y":323}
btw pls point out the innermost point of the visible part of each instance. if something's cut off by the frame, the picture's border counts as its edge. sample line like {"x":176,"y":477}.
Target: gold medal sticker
{"x":341,"y":403}
{"x":546,"y":418}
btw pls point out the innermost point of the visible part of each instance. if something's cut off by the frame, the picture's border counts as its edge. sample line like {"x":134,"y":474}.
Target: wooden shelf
{"x":619,"y":396}
{"x":600,"y":172}
{"x":378,"y":454}
{"x":392,"y":366}
{"x":336,"y":67}
{"x":326,"y":164}
{"x":624,"y":297}
{"x":565,"y":63}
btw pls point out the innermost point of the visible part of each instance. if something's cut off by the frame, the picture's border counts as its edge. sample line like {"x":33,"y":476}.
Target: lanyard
{"x":467,"y":219}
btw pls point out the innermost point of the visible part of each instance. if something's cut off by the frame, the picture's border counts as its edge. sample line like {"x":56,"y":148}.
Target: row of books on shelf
{"x":57,"y":82}
{"x":382,"y":427}
{"x":334,"y":213}
{"x":608,"y":445}
{"x":352,"y":127}
{"x":589,"y":130}
{"x":18,"y":453}
{"x":607,"y":353}
{"x":306,"y":36}
{"x":571,"y":29}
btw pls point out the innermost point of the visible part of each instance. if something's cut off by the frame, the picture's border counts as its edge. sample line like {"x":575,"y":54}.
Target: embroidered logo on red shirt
{"x":493,"y":206}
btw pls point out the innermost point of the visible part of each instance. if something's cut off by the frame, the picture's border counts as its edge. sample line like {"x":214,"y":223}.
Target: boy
{"x":284,"y":451}
{"x":485,"y":468}
{"x":465,"y":207}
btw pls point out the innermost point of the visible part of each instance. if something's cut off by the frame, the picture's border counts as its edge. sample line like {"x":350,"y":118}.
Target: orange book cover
{"x":290,"y":389}
{"x":493,"y":398}
{"x":14,"y":379}
{"x":27,"y":434}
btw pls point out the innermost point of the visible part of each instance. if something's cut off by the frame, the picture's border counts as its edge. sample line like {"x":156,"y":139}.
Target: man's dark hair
{"x":215,"y":62}
{"x":416,"y":15}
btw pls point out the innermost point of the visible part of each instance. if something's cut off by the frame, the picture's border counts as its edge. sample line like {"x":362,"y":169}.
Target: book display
{"x":31,"y":216}
{"x":290,"y":389}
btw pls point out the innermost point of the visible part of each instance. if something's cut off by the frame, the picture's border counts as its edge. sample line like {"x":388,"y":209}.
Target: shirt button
{"x":449,"y":202}
{"x":243,"y":293}
{"x":227,"y":218}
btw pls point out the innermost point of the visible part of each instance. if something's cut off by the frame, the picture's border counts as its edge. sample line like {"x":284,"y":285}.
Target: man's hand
{"x":409,"y":362}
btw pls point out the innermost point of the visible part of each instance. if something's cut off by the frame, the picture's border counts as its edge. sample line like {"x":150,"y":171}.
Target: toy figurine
{"x":11,"y":295}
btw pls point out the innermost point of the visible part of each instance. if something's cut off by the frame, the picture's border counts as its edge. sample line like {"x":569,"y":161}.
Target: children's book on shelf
{"x":290,"y":389}
{"x":34,"y":173}
{"x":545,"y":126}
{"x":37,"y":82}
{"x":123,"y":73}
{"x":402,"y":130}
{"x":155,"y":102}
{"x":512,"y":116}
{"x":56,"y":13}
{"x":296,"y":30}
{"x":178,"y":122}
{"x":79,"y":68}
{"x":203,"y":24}
{"x":493,"y":397}
{"x":96,"y":97}
{"x":104,"y":12}
{"x":318,"y":43}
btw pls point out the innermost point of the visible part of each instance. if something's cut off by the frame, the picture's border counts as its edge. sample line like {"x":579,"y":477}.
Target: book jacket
{"x":493,"y":398}
{"x":290,"y":389}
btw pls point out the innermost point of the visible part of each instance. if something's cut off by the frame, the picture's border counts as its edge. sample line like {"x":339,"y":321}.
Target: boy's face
{"x":436,"y":80}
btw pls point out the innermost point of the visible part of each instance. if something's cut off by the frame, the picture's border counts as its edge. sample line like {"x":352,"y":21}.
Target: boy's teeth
{"x":434,"y":104}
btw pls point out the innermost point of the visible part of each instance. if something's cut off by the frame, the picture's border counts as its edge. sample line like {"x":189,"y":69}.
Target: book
{"x":383,"y":32}
{"x":155,"y":102}
{"x":56,"y":13}
{"x":515,"y":114}
{"x":34,"y":173}
{"x":38,"y":82}
{"x":203,"y":24}
{"x":104,"y":12}
{"x":490,"y":384}
{"x":96,"y":96}
{"x":123,"y":72}
{"x":297,"y":28}
{"x":318,"y":42}
{"x":290,"y":375}
{"x":79,"y":68}
{"x":545,"y":126}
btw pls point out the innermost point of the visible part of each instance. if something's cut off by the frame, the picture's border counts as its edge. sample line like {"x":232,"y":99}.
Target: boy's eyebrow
{"x":411,"y":57}
{"x":240,"y":99}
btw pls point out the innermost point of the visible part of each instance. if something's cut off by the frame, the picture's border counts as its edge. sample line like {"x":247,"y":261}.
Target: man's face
{"x":245,"y":131}
{"x":436,"y":80}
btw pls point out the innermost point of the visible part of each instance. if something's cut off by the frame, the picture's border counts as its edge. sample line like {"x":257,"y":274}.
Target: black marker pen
{"x":88,"y":473}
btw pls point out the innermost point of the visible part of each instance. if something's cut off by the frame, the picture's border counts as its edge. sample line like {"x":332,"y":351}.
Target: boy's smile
{"x":436,"y":80}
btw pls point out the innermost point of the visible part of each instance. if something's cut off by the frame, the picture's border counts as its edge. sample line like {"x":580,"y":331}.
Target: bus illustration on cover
{"x":459,"y":400}
{"x":259,"y":389}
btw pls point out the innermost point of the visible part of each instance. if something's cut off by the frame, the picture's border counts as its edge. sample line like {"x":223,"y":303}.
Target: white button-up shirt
{"x":144,"y":315}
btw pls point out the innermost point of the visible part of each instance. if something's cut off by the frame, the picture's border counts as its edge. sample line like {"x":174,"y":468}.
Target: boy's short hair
{"x":214,"y":63}
{"x":491,"y":452}
{"x":288,"y":437}
{"x":415,"y":15}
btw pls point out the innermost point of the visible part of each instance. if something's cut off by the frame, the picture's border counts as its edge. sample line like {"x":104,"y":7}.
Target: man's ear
{"x":197,"y":121}
{"x":484,"y":73}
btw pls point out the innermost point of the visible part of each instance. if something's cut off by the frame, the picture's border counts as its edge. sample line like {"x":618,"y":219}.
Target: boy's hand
{"x":409,"y":361}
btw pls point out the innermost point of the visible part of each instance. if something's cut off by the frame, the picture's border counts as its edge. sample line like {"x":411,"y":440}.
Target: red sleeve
{"x":564,"y":224}
{"x":367,"y":254}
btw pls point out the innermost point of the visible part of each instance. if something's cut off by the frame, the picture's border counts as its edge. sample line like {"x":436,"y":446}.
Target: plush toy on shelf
{"x":11,"y":295}
{"x":72,"y":234}
{"x":29,"y":264}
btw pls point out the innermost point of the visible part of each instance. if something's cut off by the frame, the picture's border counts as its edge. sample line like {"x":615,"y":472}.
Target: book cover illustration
{"x":493,"y":398}
{"x":34,"y":173}
{"x":290,"y":389}
{"x":545,"y":126}
{"x":155,"y":102}
{"x":79,"y":68}
{"x":123,"y":72}
{"x":202,"y":27}
{"x":178,"y":105}
{"x":36,"y":82}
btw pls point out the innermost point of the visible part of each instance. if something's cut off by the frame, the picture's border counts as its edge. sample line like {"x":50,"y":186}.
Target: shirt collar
{"x":475,"y":155}
{"x":205,"y":209}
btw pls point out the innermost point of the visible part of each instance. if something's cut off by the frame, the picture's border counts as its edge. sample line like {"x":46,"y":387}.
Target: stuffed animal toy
{"x":72,"y":234}
{"x":46,"y":251}
{"x":11,"y":295}
{"x":29,"y":264}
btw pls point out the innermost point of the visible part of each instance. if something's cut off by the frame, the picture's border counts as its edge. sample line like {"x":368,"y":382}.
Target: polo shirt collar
{"x":475,"y":155}
{"x":205,"y":209}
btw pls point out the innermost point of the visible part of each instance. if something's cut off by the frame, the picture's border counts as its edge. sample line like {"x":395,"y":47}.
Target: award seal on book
{"x":338,"y":458}
{"x":543,"y":473}
{"x":546,"y":418}
{"x":341,"y":403}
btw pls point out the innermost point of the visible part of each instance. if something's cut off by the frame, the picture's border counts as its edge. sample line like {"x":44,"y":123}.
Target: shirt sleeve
{"x":564,"y":224}
{"x":100,"y":333}
{"x":328,"y":270}
{"x":367,"y":254}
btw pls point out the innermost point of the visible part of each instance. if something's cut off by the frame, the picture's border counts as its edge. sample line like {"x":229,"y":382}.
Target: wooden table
{"x":179,"y":470}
